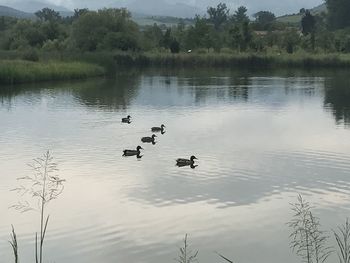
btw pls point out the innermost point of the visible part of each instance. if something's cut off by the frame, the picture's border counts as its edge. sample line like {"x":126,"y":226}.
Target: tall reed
{"x":14,"y":244}
{"x":307,"y":240}
{"x":43,"y":186}
{"x":186,"y":255}
{"x":19,"y":71}
{"x":224,"y":258}
{"x":343,"y":241}
{"x":247,"y":60}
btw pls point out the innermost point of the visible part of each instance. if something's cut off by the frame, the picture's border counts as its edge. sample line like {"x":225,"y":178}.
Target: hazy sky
{"x":277,"y":6}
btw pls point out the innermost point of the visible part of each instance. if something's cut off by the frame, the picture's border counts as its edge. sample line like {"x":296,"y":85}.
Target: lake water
{"x":261,"y":139}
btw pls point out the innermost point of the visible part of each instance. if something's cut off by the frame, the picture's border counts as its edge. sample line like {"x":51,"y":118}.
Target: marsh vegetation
{"x":222,"y":37}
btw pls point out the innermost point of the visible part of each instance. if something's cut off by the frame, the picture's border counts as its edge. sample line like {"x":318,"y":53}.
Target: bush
{"x":201,"y":51}
{"x":31,"y":55}
{"x":174,"y":46}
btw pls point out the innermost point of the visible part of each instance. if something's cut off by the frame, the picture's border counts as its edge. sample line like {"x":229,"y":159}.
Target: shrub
{"x":31,"y":55}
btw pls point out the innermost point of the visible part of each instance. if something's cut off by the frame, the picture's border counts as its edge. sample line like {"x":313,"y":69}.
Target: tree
{"x":240,"y":15}
{"x":47,"y":14}
{"x":79,"y":12}
{"x":51,"y":30}
{"x":308,"y":24}
{"x":219,"y":15}
{"x":174,"y":46}
{"x":152,"y":36}
{"x":290,"y":40}
{"x":264,"y":19}
{"x":246,"y":35}
{"x":338,"y":13}
{"x":119,"y":40}
{"x":166,"y":39}
{"x":198,"y":35}
{"x":97,"y":30}
{"x":235,"y":38}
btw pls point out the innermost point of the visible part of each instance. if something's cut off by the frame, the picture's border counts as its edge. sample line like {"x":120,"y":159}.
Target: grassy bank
{"x":235,"y":60}
{"x":20,"y":71}
{"x":65,"y":66}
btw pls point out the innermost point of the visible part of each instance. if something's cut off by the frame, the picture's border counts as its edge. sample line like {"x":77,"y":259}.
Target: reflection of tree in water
{"x":8,"y":93}
{"x":110,"y":93}
{"x":210,"y":83}
{"x":239,"y":89}
{"x":337,"y":97}
{"x":102,"y":93}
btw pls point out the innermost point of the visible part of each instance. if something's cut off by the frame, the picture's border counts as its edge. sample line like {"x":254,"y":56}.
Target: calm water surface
{"x":261,"y":138}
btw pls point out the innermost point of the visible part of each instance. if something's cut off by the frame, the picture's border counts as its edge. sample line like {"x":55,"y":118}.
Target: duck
{"x":158,"y":129}
{"x":186,"y":162}
{"x":127,"y":119}
{"x":133,"y":152}
{"x":149,"y":139}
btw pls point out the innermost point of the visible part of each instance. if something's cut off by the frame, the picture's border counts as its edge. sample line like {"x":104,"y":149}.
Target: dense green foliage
{"x":18,"y":71}
{"x":221,"y":30}
{"x":338,"y":13}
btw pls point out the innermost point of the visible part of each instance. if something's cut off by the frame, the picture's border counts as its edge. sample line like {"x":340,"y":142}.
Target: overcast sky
{"x":277,"y":6}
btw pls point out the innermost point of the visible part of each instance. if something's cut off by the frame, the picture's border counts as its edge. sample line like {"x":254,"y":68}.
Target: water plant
{"x":224,"y":258}
{"x":343,"y":241}
{"x":20,"y":71}
{"x":14,"y":244}
{"x":307,"y":240}
{"x":186,"y":255}
{"x":42,"y":187}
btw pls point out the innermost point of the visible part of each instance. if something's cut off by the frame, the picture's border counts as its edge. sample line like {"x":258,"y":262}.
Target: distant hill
{"x":296,"y":18}
{"x":8,"y":11}
{"x":33,"y":6}
{"x":147,"y":20}
{"x":160,"y":8}
{"x":141,"y":19}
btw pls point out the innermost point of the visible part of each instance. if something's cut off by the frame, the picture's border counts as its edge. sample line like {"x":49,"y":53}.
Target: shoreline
{"x":68,"y":66}
{"x":247,"y":60}
{"x":21,"y":71}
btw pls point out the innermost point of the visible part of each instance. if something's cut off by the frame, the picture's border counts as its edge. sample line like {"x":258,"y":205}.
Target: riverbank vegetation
{"x":109,"y":37}
{"x":19,"y":71}
{"x":220,"y":30}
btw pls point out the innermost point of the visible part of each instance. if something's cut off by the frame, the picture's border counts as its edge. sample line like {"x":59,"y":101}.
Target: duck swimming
{"x":133,"y":152}
{"x":186,"y":162}
{"x":149,"y":139}
{"x":158,"y":129}
{"x":127,"y":119}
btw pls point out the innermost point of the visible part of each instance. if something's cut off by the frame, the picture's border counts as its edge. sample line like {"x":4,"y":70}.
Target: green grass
{"x":290,"y":19}
{"x":235,"y":60}
{"x":64,"y":66}
{"x":20,"y":71}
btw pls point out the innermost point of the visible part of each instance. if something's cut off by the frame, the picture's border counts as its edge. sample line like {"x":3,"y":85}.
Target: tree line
{"x":219,"y":30}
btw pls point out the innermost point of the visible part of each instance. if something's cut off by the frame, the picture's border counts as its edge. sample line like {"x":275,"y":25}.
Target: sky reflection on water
{"x":261,"y":138}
